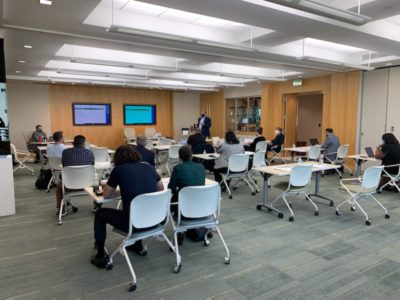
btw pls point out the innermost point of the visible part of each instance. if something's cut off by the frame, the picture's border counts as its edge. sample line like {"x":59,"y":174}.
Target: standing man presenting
{"x":204,"y":124}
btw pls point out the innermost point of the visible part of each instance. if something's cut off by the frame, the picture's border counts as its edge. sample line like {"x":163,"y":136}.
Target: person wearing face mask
{"x":389,"y":153}
{"x":331,"y":144}
{"x":204,"y":124}
{"x":277,"y":142}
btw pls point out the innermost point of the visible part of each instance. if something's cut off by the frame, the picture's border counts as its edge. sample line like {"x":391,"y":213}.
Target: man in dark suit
{"x":259,"y":138}
{"x":204,"y":124}
{"x":277,"y":142}
{"x":147,"y":155}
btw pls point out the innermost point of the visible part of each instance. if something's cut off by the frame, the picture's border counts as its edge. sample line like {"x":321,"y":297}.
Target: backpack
{"x":43,"y":179}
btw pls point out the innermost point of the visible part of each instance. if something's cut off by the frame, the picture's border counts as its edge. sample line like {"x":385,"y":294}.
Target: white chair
{"x":299,"y":180}
{"x":261,"y":146}
{"x":173,"y":157}
{"x":55,"y":167}
{"x":165,"y":141}
{"x":100,"y":154}
{"x":393,"y":178}
{"x":149,"y":214}
{"x":238,"y":165}
{"x":129,"y":134}
{"x":21,"y":157}
{"x":150,"y":132}
{"x":75,"y":178}
{"x":276,"y":155}
{"x":340,"y":158}
{"x":149,"y":144}
{"x":365,"y":188}
{"x":198,"y":207}
{"x":314,"y":153}
{"x":258,"y":162}
{"x":27,"y":137}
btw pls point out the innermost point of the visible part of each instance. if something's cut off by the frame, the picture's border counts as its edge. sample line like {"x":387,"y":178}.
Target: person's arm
{"x":173,"y":182}
{"x":110,"y":192}
{"x":109,"y":189}
{"x":160,"y":186}
{"x":379,"y":152}
{"x":207,"y":122}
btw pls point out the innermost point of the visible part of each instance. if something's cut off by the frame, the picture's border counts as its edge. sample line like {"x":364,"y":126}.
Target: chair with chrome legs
{"x":364,"y":188}
{"x":21,"y":157}
{"x":258,"y":162}
{"x":198,"y":207}
{"x":173,"y":157}
{"x":299,"y":181}
{"x":340,"y":158}
{"x":55,"y":167}
{"x":148,"y":217}
{"x":393,"y":178}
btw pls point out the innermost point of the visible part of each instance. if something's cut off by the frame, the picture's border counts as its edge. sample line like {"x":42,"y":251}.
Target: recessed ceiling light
{"x":46,"y":2}
{"x":299,"y":76}
{"x":18,"y":71}
{"x":28,"y":46}
{"x":22,"y":61}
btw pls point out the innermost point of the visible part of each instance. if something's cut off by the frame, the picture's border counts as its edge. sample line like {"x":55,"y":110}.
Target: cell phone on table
{"x":99,"y":193}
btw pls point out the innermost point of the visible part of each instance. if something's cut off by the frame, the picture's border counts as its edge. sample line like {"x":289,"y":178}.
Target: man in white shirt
{"x":56,"y":149}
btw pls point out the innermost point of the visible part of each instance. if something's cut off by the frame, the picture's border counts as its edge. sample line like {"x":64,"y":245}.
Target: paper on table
{"x":285,"y":169}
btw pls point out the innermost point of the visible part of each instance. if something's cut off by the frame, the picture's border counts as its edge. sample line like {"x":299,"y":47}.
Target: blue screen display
{"x":92,"y":114}
{"x":139,"y":114}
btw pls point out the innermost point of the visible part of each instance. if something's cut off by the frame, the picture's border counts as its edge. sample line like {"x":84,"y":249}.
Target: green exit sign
{"x":297,"y":82}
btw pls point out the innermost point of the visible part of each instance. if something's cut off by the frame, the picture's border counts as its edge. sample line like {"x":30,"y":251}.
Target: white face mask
{"x":277,"y":132}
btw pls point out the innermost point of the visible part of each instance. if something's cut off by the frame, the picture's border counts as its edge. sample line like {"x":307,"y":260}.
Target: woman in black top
{"x":389,"y":153}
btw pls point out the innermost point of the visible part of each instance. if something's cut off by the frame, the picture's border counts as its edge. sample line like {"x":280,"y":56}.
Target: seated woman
{"x":227,"y":149}
{"x":133,"y":178}
{"x":389,"y":153}
{"x":277,"y":142}
{"x":259,"y":138}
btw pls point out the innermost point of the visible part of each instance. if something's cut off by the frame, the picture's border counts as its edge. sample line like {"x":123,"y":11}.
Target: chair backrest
{"x":342,"y":151}
{"x":259,"y":159}
{"x":78,"y":177}
{"x":199,"y":201}
{"x":261,"y":146}
{"x":173,"y":151}
{"x":238,"y":163}
{"x":300,"y":175}
{"x":13,"y":150}
{"x":129,"y":134}
{"x":150,"y":132}
{"x":149,"y":144}
{"x":165,"y":141}
{"x":27,"y":136}
{"x":371,"y":177}
{"x":148,"y":210}
{"x":314,"y":152}
{"x":215,"y":140}
{"x":55,"y":163}
{"x":100,"y":154}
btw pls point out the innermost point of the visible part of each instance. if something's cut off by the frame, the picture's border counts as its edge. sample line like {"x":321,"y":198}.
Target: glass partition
{"x":243,"y":114}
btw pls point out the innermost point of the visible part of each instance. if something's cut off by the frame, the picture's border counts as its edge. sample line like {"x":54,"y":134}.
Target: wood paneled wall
{"x":214,"y":104}
{"x":62,"y":97}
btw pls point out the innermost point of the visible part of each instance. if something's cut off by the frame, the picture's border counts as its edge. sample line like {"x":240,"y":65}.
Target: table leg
{"x":265,"y":202}
{"x":292,"y":156}
{"x":316,"y":191}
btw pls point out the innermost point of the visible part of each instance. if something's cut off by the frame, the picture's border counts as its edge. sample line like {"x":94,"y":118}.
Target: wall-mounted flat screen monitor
{"x":91,"y":114}
{"x":139,"y":114}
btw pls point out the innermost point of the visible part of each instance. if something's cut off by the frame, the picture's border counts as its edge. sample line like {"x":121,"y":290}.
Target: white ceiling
{"x":191,"y":45}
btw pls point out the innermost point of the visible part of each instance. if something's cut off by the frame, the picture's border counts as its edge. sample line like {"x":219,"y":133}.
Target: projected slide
{"x":92,"y":114}
{"x":139,"y":114}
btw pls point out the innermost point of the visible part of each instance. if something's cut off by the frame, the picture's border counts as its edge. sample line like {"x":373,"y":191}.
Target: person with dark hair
{"x":133,"y":178}
{"x":56,"y":149}
{"x":277,"y":142}
{"x":228,"y":148}
{"x":147,"y":155}
{"x":204,"y":124}
{"x":331,"y":145}
{"x":196,"y":139}
{"x":76,"y":156}
{"x":389,"y":153}
{"x":38,"y":135}
{"x":259,"y":138}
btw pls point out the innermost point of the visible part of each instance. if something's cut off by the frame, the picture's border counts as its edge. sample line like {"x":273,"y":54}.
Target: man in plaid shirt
{"x":76,"y":156}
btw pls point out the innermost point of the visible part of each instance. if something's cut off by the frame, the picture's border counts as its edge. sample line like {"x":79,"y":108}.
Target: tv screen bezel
{"x":135,"y":124}
{"x":92,"y":124}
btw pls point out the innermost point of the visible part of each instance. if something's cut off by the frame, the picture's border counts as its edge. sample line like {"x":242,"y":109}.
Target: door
{"x":309,"y":117}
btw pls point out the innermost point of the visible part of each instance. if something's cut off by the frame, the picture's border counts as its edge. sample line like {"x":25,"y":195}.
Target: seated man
{"x":56,"y":149}
{"x":331,"y":145}
{"x":147,"y":155}
{"x":259,"y":138}
{"x":277,"y":142}
{"x":133,"y":178}
{"x":196,"y":139}
{"x":38,"y":136}
{"x":76,"y":156}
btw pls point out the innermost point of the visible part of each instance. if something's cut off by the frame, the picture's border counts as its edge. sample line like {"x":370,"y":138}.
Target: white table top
{"x":208,"y":156}
{"x":362,"y":157}
{"x":303,"y":149}
{"x":285,"y":169}
{"x":44,"y":148}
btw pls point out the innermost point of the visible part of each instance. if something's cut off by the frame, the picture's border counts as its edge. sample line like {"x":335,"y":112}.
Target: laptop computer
{"x":314,"y":141}
{"x":369,"y":151}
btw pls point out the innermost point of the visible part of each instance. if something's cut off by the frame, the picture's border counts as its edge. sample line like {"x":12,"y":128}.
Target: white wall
{"x":28,"y":106}
{"x":186,"y":110}
{"x":251,"y":89}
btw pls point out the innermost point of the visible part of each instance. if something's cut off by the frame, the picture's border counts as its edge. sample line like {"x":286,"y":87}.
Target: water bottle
{"x":96,"y":182}
{"x":204,"y":152}
{"x":294,"y":146}
{"x":299,"y":160}
{"x":321,"y":159}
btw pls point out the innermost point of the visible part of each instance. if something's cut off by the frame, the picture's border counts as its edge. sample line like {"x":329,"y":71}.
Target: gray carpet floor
{"x":315,"y":257}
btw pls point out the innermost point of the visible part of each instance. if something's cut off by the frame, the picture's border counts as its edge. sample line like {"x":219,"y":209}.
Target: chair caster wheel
{"x":109,"y":266}
{"x":227,"y":260}
{"x":206,"y":243}
{"x":387,"y":216}
{"x":337,"y":213}
{"x":74,"y":209}
{"x":132,"y":287}
{"x":368,"y":222}
{"x":47,"y":191}
{"x":253,"y":193}
{"x":341,"y":177}
{"x":331,"y":203}
{"x":255,"y":181}
{"x":291,"y":219}
{"x":269,"y":209}
{"x":257,"y":191}
{"x":230,"y":197}
{"x":352,"y":208}
{"x":280,"y":215}
{"x":258,"y":207}
{"x":316,"y":213}
{"x":177,"y":268}
{"x":379,"y":192}
{"x":59,"y":223}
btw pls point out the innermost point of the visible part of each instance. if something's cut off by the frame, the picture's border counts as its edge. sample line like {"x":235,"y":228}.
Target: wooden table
{"x":284,"y":170}
{"x":294,"y":150}
{"x":360,"y":159}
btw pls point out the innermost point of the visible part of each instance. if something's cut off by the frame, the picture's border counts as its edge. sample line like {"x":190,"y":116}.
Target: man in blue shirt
{"x":133,"y":178}
{"x":56,"y":149}
{"x":331,"y":144}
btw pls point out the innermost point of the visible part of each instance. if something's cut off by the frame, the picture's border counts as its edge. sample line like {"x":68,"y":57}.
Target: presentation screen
{"x":139,"y":114}
{"x":91,"y":114}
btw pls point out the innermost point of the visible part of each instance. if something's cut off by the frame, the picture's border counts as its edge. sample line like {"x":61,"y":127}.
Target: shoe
{"x":99,"y":261}
{"x":180,"y":238}
{"x":210,"y":235}
{"x":139,"y":250}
